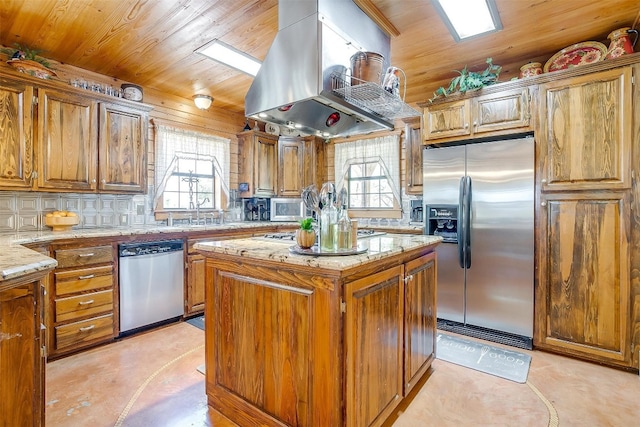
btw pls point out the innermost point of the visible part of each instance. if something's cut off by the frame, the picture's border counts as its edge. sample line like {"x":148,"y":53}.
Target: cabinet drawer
{"x":83,"y":256}
{"x":83,"y":305}
{"x":84,"y":332}
{"x":82,"y":280}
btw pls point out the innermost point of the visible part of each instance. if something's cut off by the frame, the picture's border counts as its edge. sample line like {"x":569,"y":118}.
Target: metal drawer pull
{"x":87,"y":328}
{"x":86,"y":255}
{"x":88,"y":276}
{"x":86,"y":302}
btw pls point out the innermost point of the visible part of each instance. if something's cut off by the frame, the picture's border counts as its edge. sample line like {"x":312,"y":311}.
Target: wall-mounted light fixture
{"x":203,"y":102}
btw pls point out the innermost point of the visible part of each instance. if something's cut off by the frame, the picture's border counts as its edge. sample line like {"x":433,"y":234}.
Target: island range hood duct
{"x":304,"y":81}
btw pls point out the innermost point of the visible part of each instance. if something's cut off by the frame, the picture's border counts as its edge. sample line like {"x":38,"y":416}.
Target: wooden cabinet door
{"x":586,"y":131}
{"x":446,"y":120}
{"x":123,"y":149}
{"x":267,"y":348}
{"x":373,"y":344}
{"x":290,"y":167}
{"x":583,"y":300}
{"x":413,"y":159}
{"x":16,"y":136}
{"x":67,"y":141}
{"x":21,"y":399}
{"x":419,"y":318}
{"x":502,"y":110}
{"x":195,"y":284}
{"x":314,"y":166}
{"x":265,"y":173}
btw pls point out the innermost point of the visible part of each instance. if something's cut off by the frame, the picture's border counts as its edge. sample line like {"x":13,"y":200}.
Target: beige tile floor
{"x":152,"y":380}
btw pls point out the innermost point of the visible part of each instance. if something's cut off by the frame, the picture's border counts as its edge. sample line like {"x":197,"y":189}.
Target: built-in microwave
{"x":283,"y":209}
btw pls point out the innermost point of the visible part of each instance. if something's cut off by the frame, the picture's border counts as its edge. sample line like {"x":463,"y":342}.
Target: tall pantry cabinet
{"x":583,"y":300}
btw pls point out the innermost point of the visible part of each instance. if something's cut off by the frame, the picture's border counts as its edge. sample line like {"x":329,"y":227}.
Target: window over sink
{"x":192,"y":170}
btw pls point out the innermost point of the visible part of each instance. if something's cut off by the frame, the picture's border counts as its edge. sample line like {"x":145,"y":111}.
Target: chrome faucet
{"x":198,"y":204}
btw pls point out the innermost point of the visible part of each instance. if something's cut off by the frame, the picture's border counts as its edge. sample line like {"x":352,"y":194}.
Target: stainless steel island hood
{"x":304,"y":80}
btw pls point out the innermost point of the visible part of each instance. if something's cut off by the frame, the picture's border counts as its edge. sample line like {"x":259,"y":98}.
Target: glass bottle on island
{"x":328,"y":228}
{"x":344,"y":229}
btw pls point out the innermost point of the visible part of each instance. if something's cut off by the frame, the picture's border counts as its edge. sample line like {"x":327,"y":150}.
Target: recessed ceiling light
{"x":468,"y":18}
{"x":222,"y":52}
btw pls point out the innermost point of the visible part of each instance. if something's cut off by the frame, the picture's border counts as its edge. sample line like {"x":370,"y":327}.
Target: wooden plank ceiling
{"x":152,"y":42}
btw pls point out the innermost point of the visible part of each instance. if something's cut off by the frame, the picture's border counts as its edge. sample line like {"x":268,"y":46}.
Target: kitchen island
{"x":317,"y":340}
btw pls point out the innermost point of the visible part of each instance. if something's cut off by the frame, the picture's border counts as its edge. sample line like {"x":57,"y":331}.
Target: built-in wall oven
{"x":151,"y":283}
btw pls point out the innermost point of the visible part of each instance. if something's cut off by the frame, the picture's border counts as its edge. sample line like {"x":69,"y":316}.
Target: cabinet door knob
{"x":408,"y":278}
{"x":93,"y":181}
{"x":104,"y":181}
{"x":544,"y":180}
{"x":543,"y":204}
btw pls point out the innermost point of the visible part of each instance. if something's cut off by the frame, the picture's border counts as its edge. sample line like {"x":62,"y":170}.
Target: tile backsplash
{"x":24,"y":211}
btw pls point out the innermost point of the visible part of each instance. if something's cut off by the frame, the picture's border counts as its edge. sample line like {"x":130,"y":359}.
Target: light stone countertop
{"x":378,"y":247}
{"x":16,"y":260}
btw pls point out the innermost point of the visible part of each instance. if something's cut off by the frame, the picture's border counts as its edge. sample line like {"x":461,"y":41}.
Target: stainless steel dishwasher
{"x":151,"y":283}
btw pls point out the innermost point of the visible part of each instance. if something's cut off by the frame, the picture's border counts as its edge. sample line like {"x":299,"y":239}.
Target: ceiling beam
{"x":374,"y":13}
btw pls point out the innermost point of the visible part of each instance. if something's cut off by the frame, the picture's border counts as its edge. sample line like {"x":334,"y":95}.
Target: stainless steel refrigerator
{"x":479,"y":197}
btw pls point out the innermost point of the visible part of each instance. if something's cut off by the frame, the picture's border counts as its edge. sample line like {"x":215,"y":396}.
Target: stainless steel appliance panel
{"x":487,"y":280}
{"x":499,"y":280}
{"x":441,"y":177}
{"x":151,"y":286}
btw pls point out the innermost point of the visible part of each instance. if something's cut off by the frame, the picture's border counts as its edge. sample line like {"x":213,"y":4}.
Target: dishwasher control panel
{"x":149,"y":248}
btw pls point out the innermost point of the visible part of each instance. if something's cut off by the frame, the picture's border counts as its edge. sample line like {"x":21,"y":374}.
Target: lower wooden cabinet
{"x":420,"y":321}
{"x":195,"y":285}
{"x":373,"y":345}
{"x":583,"y":300}
{"x":22,"y":355}
{"x":82,"y":298}
{"x":298,"y":345}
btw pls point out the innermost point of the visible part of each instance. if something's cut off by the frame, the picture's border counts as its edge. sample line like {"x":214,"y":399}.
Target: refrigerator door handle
{"x":467,"y":220}
{"x":461,"y":237}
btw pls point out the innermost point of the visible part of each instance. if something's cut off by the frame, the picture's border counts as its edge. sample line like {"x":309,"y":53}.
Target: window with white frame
{"x":192,"y":169}
{"x":370,"y":170}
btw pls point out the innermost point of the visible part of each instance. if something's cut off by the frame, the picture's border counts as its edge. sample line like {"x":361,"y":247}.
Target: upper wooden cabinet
{"x":123,"y":149}
{"x":585,"y":131}
{"x":257,"y":163}
{"x":16,"y":135}
{"x":67,"y":141}
{"x":291,"y":155}
{"x":279,"y":166}
{"x":413,"y":157}
{"x":84,"y":143}
{"x":478,"y":116}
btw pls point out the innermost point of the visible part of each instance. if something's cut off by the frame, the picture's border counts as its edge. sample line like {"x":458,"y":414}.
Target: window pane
{"x":355,"y":171}
{"x":371,"y":190}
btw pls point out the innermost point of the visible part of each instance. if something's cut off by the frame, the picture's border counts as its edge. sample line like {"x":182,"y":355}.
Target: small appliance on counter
{"x":256,"y":209}
{"x":416,"y":211}
{"x":288,"y":209}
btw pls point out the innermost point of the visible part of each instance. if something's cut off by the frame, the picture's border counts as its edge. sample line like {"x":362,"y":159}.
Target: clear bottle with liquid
{"x":344,"y":229}
{"x":328,"y":228}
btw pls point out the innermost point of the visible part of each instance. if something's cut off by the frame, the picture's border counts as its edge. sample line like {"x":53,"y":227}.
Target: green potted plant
{"x":470,"y":80}
{"x":306,"y":235}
